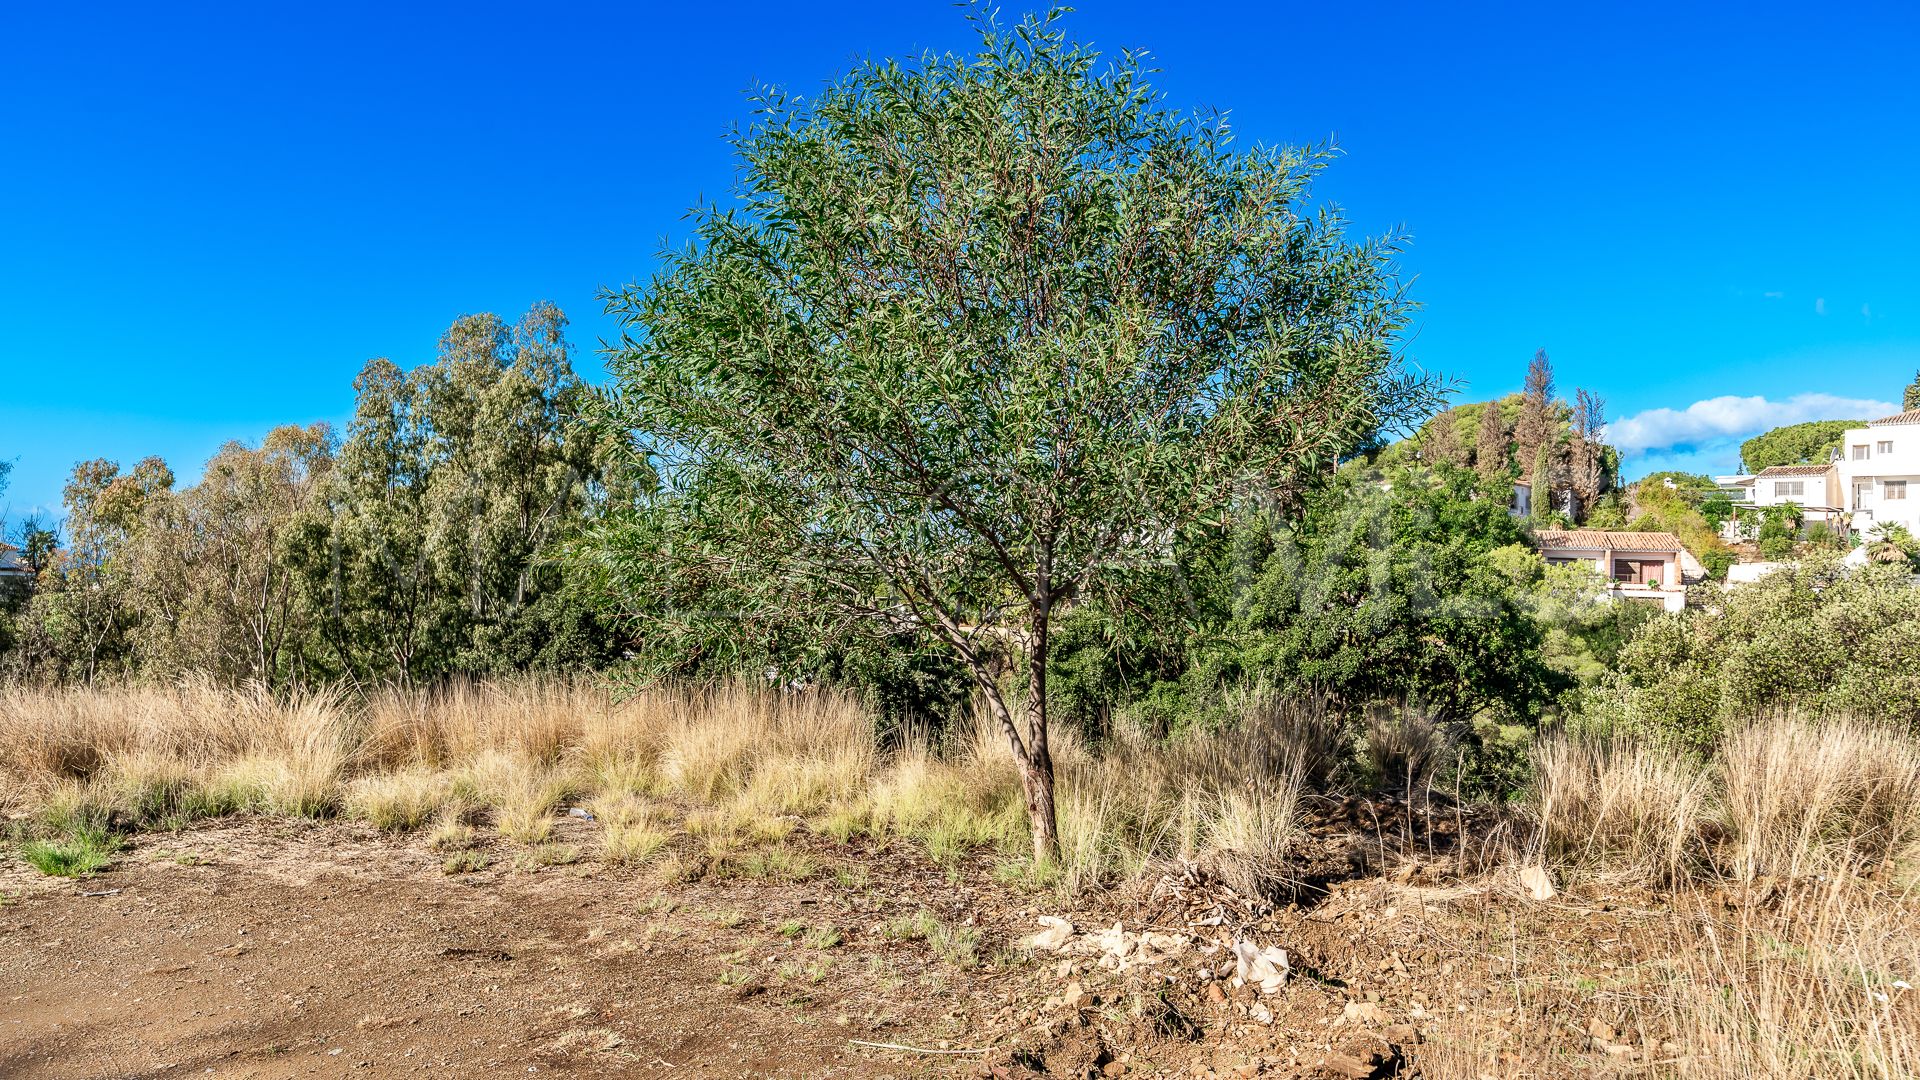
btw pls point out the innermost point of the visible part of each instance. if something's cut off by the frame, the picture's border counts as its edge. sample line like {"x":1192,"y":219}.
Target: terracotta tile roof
{"x":1794,"y":470}
{"x":1606,"y":538}
{"x":1911,"y":416}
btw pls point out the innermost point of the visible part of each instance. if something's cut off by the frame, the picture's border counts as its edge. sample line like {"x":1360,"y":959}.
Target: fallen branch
{"x":915,"y":1049}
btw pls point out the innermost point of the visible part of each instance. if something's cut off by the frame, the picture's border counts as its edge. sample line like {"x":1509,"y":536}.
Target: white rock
{"x":1055,"y":936}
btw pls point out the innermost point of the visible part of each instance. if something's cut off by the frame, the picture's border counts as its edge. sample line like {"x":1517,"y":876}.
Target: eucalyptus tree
{"x":210,"y":569}
{"x":426,"y":555}
{"x":981,"y":335}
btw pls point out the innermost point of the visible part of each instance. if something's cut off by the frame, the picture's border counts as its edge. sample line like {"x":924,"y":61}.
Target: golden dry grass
{"x":512,"y":754}
{"x":1822,"y":818}
{"x":1811,"y":833}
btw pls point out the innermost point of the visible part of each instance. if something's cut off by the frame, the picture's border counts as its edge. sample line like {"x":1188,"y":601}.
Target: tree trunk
{"x":1036,"y":783}
{"x":1036,"y":772}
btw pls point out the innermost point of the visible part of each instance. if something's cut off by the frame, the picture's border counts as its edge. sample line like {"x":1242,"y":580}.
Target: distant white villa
{"x":12,"y":566}
{"x":1865,"y":484}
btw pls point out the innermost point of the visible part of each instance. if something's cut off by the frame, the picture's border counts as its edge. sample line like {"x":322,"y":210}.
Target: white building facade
{"x":1878,"y":473}
{"x":1815,"y":489}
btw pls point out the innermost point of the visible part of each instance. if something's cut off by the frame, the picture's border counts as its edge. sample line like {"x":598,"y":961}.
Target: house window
{"x":1860,"y":452}
{"x":1884,"y":447}
{"x":1639,"y":571}
{"x":1789,"y":489}
{"x":1896,"y":489}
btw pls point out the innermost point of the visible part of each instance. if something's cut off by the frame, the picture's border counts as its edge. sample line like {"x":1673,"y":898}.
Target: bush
{"x":1817,"y":637}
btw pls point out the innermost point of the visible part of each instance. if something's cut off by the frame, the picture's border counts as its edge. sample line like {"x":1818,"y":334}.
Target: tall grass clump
{"x":1621,"y":809}
{"x":767,"y":752}
{"x":1804,"y":798}
{"x":1813,"y":986}
{"x":399,"y":801}
{"x":1785,"y":796}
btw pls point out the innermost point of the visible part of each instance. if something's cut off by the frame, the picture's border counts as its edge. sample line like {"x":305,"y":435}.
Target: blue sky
{"x":214,"y":216}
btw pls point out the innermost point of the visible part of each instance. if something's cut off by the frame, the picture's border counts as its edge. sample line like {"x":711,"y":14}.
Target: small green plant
{"x":1025,"y":875}
{"x":844,"y":824}
{"x":464,"y":862}
{"x":80,"y":853}
{"x":659,"y":905}
{"x":957,"y":945}
{"x":728,"y":920}
{"x":775,"y":864}
{"x":553,"y":855}
{"x":851,"y":877}
{"x":916,"y":927}
{"x":823,"y":937}
{"x":792,"y":928}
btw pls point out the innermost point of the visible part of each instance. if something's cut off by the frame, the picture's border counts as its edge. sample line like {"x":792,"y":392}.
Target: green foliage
{"x":1681,"y":503}
{"x":1910,"y":397}
{"x":1402,"y":589}
{"x":420,"y":547}
{"x":1542,"y":485}
{"x":981,"y":333}
{"x":1893,"y":544}
{"x":1813,"y":636}
{"x":1609,"y":513}
{"x":425,"y":554}
{"x":1717,"y":561}
{"x":1794,"y":444}
{"x":80,"y":846}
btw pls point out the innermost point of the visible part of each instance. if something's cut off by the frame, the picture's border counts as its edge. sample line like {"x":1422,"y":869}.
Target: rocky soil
{"x":271,"y":948}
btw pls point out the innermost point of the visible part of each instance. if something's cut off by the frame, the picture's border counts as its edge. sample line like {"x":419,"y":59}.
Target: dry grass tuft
{"x":632,"y":831}
{"x":1621,"y":809}
{"x":1804,"y":798}
{"x":399,"y":801}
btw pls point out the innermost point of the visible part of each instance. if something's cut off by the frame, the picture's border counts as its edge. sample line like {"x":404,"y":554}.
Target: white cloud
{"x":1723,"y":420}
{"x":1820,"y":306}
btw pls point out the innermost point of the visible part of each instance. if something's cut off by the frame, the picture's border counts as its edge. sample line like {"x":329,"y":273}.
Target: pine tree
{"x":1535,"y":426}
{"x":1911,"y":399}
{"x":1440,"y":442}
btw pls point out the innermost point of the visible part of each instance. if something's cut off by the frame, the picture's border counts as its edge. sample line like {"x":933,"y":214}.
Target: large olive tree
{"x":977,"y":334}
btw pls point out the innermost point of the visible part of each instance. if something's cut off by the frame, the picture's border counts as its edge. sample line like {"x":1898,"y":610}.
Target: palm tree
{"x":1895,"y":545}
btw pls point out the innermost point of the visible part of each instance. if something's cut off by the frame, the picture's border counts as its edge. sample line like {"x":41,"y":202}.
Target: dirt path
{"x":261,"y":949}
{"x":276,"y":948}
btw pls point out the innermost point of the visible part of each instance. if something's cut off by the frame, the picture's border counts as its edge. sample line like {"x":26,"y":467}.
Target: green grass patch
{"x":76,"y":855}
{"x":464,"y":862}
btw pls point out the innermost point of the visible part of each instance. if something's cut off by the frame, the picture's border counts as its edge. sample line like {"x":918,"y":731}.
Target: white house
{"x":1876,"y":466}
{"x":1813,"y":488}
{"x":1646,"y":567}
{"x":12,"y":566}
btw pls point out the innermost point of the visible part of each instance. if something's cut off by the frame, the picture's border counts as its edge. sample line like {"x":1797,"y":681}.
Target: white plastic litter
{"x":1265,"y":968}
{"x":1539,"y":885}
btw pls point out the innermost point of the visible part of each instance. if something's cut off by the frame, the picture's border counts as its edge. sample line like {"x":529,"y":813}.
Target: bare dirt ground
{"x":271,"y":948}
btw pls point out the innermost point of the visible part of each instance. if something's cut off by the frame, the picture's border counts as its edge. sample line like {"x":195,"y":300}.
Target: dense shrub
{"x":1817,"y":637}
